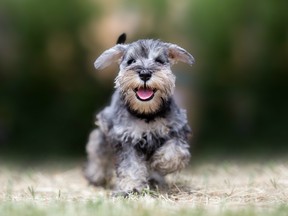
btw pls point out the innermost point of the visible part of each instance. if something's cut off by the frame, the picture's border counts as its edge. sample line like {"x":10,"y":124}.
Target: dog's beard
{"x":145,"y":98}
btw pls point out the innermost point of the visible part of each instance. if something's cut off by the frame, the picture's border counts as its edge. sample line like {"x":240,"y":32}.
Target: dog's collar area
{"x":144,"y":94}
{"x":160,"y":113}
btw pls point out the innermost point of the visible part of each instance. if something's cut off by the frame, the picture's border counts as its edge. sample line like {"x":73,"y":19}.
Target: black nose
{"x":145,"y":75}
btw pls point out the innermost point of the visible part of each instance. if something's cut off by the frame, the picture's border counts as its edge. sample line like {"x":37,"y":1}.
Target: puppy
{"x":142,"y":134}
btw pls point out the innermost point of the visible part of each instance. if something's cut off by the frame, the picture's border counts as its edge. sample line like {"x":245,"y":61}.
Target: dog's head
{"x":145,"y":79}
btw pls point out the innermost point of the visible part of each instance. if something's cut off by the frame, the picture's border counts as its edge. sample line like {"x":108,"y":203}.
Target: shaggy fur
{"x":144,"y":140}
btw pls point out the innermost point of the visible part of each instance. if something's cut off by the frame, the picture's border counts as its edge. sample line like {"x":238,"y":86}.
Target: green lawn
{"x":226,"y":188}
{"x":141,"y":207}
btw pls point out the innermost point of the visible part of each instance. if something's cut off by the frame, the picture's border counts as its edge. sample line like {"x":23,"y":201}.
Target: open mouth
{"x":144,"y":94}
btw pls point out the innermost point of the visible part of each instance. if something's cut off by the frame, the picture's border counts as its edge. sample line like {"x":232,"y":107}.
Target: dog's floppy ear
{"x":176,"y":53}
{"x":121,"y":39}
{"x":110,"y":56}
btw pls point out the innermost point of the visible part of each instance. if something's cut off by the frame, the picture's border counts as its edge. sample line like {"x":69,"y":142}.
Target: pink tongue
{"x":144,"y":94}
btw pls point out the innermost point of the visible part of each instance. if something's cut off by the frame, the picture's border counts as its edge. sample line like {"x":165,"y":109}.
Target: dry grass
{"x":209,"y":188}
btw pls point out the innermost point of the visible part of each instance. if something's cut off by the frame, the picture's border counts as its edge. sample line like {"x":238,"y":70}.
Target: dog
{"x":142,"y":134}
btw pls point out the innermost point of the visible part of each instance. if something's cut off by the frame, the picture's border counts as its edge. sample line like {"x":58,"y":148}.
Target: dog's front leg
{"x":131,"y":170}
{"x":173,"y":156}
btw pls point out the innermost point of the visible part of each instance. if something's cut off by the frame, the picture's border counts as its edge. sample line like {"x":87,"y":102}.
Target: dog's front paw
{"x":157,"y":182}
{"x":125,"y":194}
{"x":170,"y":158}
{"x":128,"y":188}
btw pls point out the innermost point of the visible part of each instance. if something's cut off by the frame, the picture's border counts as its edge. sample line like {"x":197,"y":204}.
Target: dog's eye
{"x":159,"y":60}
{"x":131,"y":61}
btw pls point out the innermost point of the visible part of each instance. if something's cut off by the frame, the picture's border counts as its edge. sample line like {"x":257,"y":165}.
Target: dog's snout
{"x":145,"y":75}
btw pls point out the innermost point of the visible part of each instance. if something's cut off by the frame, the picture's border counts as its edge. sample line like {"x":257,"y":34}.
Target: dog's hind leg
{"x":99,"y":167}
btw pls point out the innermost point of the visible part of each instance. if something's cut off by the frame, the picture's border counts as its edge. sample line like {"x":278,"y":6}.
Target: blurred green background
{"x":235,"y":94}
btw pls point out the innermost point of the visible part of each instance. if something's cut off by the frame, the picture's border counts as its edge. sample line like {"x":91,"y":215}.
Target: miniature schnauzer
{"x":143,"y":134}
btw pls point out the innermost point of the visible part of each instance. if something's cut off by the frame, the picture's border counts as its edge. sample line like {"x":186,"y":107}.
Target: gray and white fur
{"x":143,"y":134}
